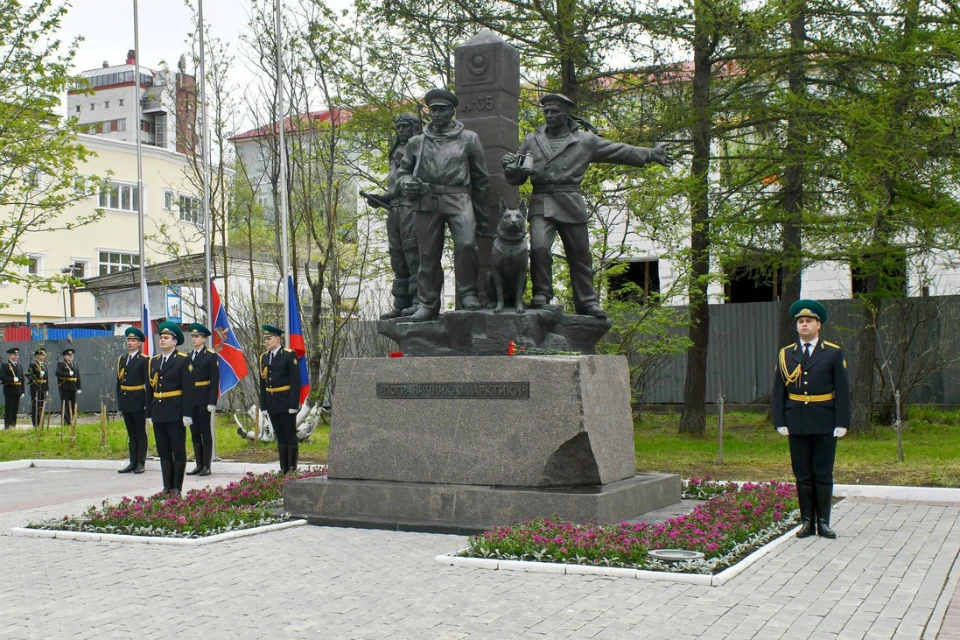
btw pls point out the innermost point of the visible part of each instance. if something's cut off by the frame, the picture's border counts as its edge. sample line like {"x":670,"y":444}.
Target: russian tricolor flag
{"x":296,"y":339}
{"x":233,"y":366}
{"x":145,"y":325}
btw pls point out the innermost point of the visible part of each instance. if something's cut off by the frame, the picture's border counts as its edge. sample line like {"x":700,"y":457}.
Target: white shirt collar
{"x":276,"y":351}
{"x":812,"y":343}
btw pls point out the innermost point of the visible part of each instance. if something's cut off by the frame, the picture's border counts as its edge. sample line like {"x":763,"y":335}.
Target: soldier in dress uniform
{"x":811,"y":405}
{"x":169,"y":407}
{"x":204,"y":367}
{"x":39,"y":386}
{"x":68,"y":381}
{"x":132,"y":398}
{"x":561,"y":152}
{"x":11,"y":375}
{"x":280,"y":394}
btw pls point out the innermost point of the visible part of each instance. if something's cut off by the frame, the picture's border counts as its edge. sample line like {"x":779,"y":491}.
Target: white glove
{"x":211,"y":407}
{"x":149,"y":422}
{"x":16,"y":379}
{"x":187,"y":421}
{"x":839,"y":432}
{"x":293,"y":411}
{"x":79,"y":391}
{"x":783,"y":431}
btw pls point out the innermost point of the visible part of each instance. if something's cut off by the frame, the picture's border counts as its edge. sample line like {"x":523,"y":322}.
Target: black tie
{"x":806,"y":351}
{"x":129,"y":358}
{"x":270,"y":362}
{"x":163,"y":361}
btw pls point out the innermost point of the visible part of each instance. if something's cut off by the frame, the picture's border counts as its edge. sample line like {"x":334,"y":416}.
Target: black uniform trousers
{"x":576,"y":246}
{"x":136,"y":424}
{"x":171,"y":438}
{"x":37,"y":405}
{"x":812,"y":457}
{"x":285,"y":428}
{"x":200,"y":432}
{"x":11,"y":405}
{"x":69,"y":404}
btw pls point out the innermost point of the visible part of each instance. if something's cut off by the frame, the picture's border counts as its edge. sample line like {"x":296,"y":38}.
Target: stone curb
{"x":239,"y":468}
{"x":715,"y":580}
{"x":888,"y":492}
{"x":82,"y":536}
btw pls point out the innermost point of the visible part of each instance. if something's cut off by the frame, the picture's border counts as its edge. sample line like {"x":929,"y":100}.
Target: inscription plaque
{"x":453,"y":390}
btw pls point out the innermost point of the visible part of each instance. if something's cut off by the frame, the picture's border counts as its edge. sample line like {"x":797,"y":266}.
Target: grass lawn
{"x":752,"y":450}
{"x":24,"y":444}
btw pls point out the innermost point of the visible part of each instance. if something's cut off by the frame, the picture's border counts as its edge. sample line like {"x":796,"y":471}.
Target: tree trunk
{"x":861,"y":396}
{"x":693,"y":419}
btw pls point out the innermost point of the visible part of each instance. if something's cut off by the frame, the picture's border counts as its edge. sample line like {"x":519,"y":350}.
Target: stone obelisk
{"x":488,"y":86}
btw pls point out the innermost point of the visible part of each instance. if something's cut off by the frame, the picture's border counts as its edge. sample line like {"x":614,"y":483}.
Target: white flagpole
{"x":282,"y":188}
{"x":207,"y":218}
{"x":136,"y":127}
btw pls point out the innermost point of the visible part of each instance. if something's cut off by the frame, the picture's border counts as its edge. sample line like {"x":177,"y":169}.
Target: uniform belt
{"x":556,"y":188}
{"x":169,"y":394}
{"x":11,"y":384}
{"x":278,"y":389}
{"x":808,"y":398}
{"x":442,"y":188}
{"x":202,"y":383}
{"x":139,"y":387}
{"x":68,"y":380}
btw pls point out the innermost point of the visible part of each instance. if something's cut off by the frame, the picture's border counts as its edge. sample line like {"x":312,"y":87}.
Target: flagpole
{"x":282,"y":187}
{"x":144,"y":302}
{"x":207,"y":218}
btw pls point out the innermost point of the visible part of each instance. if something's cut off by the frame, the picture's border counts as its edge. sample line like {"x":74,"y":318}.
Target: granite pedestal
{"x":463,"y":443}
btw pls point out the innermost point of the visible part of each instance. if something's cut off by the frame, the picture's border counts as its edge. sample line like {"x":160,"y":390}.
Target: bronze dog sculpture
{"x":510,"y":257}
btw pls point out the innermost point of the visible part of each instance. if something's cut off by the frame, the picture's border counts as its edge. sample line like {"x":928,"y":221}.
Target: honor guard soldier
{"x":811,"y":405}
{"x":132,"y":398}
{"x":204,"y":367}
{"x":11,"y":375}
{"x":39,"y":386}
{"x":280,"y":394}
{"x":168,"y":406}
{"x":68,"y":381}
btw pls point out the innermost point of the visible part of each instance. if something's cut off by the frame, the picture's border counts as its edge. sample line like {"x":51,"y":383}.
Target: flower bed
{"x":732,"y":523}
{"x":249,"y":502}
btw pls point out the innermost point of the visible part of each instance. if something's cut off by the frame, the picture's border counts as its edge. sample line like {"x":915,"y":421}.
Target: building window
{"x":120,"y":197}
{"x":33,"y":266}
{"x":108,"y":126}
{"x":636,"y":282}
{"x":122,"y":124}
{"x":92,"y":105}
{"x":78,"y":108}
{"x":114,"y":261}
{"x":78,"y":269}
{"x":191,"y":210}
{"x":106,"y":104}
{"x":168,"y":200}
{"x":120,"y":101}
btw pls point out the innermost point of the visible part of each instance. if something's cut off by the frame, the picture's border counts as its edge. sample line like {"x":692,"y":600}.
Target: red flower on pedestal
{"x":511,"y":348}
{"x":396,"y":354}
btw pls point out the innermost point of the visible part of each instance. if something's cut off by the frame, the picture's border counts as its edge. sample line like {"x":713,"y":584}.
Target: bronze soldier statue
{"x":561,"y":151}
{"x":401,"y":223}
{"x":444,"y":173}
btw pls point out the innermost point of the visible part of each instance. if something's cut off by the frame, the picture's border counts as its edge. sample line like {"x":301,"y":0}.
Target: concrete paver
{"x":892,"y":573}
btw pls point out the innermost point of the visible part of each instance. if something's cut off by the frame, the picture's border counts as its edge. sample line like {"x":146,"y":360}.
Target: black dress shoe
{"x":195,"y":471}
{"x":824,"y":530}
{"x":806,"y":529}
{"x":204,"y":472}
{"x":139,"y":468}
{"x":127,"y":469}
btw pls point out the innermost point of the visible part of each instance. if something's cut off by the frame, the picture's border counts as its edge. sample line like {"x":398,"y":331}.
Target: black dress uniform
{"x":68,"y":381}
{"x":279,"y":394}
{"x":204,"y":367}
{"x":11,"y":374}
{"x":37,"y":375}
{"x":132,"y":399}
{"x":171,"y":386}
{"x":811,"y":397}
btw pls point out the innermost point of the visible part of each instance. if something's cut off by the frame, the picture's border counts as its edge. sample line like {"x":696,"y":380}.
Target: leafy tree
{"x":39,"y":153}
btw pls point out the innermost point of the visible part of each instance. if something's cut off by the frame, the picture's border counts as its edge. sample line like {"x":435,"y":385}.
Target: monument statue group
{"x":468,"y":440}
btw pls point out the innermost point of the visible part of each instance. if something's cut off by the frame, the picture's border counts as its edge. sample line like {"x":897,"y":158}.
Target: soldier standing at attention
{"x":204,"y":367}
{"x":68,"y":381}
{"x":11,"y":374}
{"x":280,"y":394}
{"x":811,"y":405}
{"x":170,"y":409}
{"x":562,"y":151}
{"x":39,"y":386}
{"x":132,"y":398}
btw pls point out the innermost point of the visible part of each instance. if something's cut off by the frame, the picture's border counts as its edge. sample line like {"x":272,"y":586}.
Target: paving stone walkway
{"x":891,"y":574}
